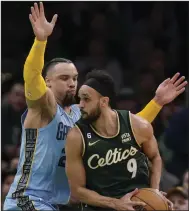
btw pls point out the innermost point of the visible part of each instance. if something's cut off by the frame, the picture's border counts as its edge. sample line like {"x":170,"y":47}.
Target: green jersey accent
{"x":114,"y":166}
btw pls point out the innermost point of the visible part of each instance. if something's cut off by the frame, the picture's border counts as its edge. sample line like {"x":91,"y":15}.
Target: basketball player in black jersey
{"x":108,"y":150}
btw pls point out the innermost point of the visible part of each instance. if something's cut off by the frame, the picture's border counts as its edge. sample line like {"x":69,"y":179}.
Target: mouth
{"x":73,"y":91}
{"x":83,"y":112}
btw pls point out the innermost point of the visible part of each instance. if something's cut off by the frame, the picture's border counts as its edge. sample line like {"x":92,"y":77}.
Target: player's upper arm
{"x":144,"y":135}
{"x":142,"y":129}
{"x":74,"y":164}
{"x":45,"y":102}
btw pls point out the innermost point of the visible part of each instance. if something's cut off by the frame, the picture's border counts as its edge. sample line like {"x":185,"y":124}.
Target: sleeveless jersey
{"x":41,"y":168}
{"x":114,"y":166}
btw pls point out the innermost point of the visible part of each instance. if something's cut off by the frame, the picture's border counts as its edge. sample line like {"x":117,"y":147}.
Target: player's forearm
{"x":35,"y":60}
{"x":156,"y":170}
{"x":94,"y":199}
{"x":35,"y":86}
{"x":150,"y":111}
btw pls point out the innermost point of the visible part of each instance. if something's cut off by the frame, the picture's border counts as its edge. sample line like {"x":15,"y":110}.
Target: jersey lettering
{"x":111,"y":157}
{"x":62,"y":131}
{"x":62,"y":160}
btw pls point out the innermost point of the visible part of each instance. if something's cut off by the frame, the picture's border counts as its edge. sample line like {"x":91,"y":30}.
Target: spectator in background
{"x":98,"y":59}
{"x":127,"y":99}
{"x":168,"y":180}
{"x":185,"y":182}
{"x":8,"y":180}
{"x":157,"y":64}
{"x":179,"y":198}
{"x":98,"y":27}
{"x":12,"y":108}
{"x":146,"y":86}
{"x":14,"y":163}
{"x":176,"y":139}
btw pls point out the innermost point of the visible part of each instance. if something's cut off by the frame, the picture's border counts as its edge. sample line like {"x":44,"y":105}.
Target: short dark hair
{"x":54,"y":62}
{"x":106,"y":79}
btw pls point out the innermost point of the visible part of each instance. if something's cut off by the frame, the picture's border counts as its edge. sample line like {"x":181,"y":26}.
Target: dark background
{"x":138,"y":43}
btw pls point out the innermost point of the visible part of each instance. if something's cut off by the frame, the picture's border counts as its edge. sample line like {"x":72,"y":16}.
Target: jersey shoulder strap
{"x":126,"y":125}
{"x":125,"y":116}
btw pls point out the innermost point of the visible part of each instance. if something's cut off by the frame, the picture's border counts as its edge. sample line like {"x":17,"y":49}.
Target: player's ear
{"x":104,"y":101}
{"x":47,"y":80}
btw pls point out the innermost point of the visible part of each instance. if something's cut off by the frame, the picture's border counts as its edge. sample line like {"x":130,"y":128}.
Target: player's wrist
{"x":115,"y":204}
{"x":42,"y":39}
{"x":158,"y":101}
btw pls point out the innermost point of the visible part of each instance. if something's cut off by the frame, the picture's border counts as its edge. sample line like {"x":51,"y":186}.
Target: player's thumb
{"x":54,"y":19}
{"x":134,"y":192}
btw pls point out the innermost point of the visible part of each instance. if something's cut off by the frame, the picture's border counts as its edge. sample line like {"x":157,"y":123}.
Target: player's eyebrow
{"x":67,"y":75}
{"x":84,"y":95}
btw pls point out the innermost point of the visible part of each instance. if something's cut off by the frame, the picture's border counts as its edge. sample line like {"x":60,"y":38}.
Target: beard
{"x":92,"y":117}
{"x":69,"y":100}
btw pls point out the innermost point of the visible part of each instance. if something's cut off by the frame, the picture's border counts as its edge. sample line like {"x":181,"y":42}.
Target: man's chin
{"x":69,"y":100}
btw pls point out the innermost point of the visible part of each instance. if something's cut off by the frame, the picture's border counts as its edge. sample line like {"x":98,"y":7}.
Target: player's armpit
{"x":150,"y":111}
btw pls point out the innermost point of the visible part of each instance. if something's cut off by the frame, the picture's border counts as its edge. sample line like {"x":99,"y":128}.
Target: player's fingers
{"x":129,"y":195}
{"x":131,"y":208}
{"x":181,"y":85}
{"x":31,"y":20}
{"x":54,"y":19}
{"x":170,"y":204}
{"x":175,"y":77}
{"x":137,"y":203}
{"x":163,"y":193}
{"x":36,"y":9}
{"x":180,"y":80}
{"x":165,"y":82}
{"x":33,"y":14}
{"x":180,"y":91}
{"x":41,"y":10}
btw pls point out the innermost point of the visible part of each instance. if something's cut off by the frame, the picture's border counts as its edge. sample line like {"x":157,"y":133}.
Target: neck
{"x":67,"y":109}
{"x":106,"y":124}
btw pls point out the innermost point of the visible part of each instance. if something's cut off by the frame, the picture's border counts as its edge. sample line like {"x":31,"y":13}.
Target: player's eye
{"x":86,"y":99}
{"x":64,"y":78}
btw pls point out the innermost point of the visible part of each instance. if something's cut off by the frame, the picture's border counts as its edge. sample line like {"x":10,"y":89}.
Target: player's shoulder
{"x":74,"y":131}
{"x":140,"y":125}
{"x":74,"y":134}
{"x":139,"y":120}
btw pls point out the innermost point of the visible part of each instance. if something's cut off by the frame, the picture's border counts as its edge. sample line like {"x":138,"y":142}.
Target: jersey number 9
{"x":132,"y":167}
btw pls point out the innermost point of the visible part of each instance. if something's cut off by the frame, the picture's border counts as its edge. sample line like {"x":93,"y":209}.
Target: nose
{"x":72,"y":83}
{"x":81,"y":104}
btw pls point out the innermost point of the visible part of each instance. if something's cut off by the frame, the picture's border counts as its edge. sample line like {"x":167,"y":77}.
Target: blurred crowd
{"x":138,"y":43}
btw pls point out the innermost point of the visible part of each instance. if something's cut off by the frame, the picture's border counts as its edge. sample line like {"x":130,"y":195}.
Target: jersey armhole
{"x":131,"y":128}
{"x":83,"y":139}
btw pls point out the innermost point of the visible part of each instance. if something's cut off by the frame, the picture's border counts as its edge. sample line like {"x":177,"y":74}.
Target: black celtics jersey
{"x":114,"y":166}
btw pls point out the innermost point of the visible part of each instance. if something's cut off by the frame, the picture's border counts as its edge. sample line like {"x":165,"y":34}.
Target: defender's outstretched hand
{"x":41,"y":27}
{"x":169,"y":89}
